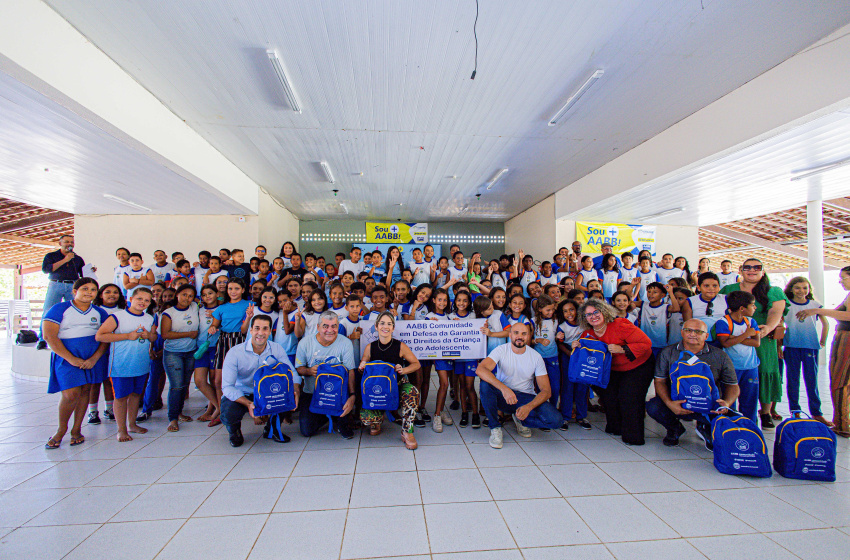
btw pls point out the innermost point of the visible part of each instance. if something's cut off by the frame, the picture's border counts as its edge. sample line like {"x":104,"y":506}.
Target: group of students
{"x":180,"y":319}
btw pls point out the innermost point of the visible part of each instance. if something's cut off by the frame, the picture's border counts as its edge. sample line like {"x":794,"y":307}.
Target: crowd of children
{"x":180,"y":318}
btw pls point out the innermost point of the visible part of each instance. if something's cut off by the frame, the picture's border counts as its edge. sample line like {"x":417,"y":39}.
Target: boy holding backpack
{"x":738,"y":334}
{"x":693,"y":350}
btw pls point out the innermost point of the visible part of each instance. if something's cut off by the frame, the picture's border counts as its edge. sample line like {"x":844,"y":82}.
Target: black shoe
{"x":93,"y":417}
{"x":344,"y":430}
{"x":158,"y":405}
{"x":544,"y":429}
{"x":476,"y":421}
{"x":565,"y":426}
{"x":143,"y":417}
{"x":425,"y":416}
{"x":282,"y":439}
{"x":704,"y":433}
{"x":672,"y":437}
{"x":485,"y":422}
{"x":455,"y":405}
{"x":464,"y":419}
{"x":41,"y":345}
{"x":766,"y":421}
{"x":418,"y":421}
{"x":109,"y":415}
{"x":584,"y":424}
{"x":236,"y":438}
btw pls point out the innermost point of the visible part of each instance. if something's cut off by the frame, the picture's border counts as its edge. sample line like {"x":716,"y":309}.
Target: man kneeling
{"x":511,"y":389}
{"x":237,"y":378}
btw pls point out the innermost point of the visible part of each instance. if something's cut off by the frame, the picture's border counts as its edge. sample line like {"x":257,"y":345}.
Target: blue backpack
{"x":805,"y":449}
{"x":739,"y":446}
{"x":691,"y":380}
{"x":379,"y":386}
{"x":273,"y":389}
{"x":590,"y":363}
{"x":331,"y":390}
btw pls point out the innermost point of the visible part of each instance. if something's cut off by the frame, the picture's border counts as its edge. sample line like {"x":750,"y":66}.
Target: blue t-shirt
{"x":231,"y":315}
{"x":310,"y":353}
{"x":77,"y":328}
{"x":130,"y":358}
{"x":802,"y":333}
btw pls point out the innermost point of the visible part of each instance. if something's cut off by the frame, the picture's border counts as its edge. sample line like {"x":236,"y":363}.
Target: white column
{"x":814,"y":227}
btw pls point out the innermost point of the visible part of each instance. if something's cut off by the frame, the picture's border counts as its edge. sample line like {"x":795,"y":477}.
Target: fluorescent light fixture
{"x":820,"y":169}
{"x":127,"y":202}
{"x":496,"y":177}
{"x":327,"y":169}
{"x":575,"y":97}
{"x":661,"y":214}
{"x":284,"y":81}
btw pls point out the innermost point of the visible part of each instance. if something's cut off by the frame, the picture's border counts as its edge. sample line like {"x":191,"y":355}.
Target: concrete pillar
{"x":814,"y":227}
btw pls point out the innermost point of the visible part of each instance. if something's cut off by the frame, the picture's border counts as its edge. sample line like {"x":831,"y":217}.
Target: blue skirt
{"x":64,"y":376}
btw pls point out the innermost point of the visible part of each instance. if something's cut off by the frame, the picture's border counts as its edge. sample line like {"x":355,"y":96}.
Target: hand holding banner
{"x":439,"y":340}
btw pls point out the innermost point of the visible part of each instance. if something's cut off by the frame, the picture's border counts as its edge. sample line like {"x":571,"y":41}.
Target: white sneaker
{"x":437,"y":424}
{"x":496,"y":438}
{"x":446,"y":418}
{"x":520,"y":429}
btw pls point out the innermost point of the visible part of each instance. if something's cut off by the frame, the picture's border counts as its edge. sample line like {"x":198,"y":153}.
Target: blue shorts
{"x":444,"y":365}
{"x":466,"y":367}
{"x":126,"y":386}
{"x":206,"y":361}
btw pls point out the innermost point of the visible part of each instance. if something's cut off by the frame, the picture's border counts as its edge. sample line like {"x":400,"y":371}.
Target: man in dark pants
{"x":325,"y":346}
{"x":63,"y":267}
{"x":669,"y":413}
{"x":237,"y":377}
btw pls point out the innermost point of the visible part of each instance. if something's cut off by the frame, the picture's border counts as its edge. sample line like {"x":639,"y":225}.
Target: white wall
{"x":97,"y":237}
{"x":275,"y":225}
{"x":533,"y":231}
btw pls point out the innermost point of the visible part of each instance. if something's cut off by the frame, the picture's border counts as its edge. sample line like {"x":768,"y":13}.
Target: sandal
{"x":215,"y":422}
{"x":824,"y":421}
{"x":52,"y":444}
{"x":77,"y":440}
{"x":375,"y":429}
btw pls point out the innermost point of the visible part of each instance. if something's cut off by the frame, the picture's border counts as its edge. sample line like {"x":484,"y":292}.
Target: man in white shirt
{"x":512,"y":388}
{"x":354,"y":265}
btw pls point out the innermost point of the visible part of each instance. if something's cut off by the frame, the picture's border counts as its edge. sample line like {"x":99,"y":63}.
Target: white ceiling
{"x":385,"y":87}
{"x":751,"y":182}
{"x":51,"y":157}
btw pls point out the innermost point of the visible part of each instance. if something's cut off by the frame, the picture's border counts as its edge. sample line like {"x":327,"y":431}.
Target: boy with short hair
{"x":645,"y":276}
{"x":349,"y":325}
{"x":420,"y":269}
{"x":627,"y":271}
{"x":727,"y":276}
{"x":739,"y":335}
{"x":161,"y":267}
{"x":354,"y":265}
{"x":199,"y":270}
{"x":136,"y":275}
{"x":239,"y":269}
{"x":667,"y":271}
{"x":214,"y":271}
{"x":182,"y":269}
{"x":655,"y":314}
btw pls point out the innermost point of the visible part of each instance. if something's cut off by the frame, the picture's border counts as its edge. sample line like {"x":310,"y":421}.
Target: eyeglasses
{"x":696,"y":332}
{"x":709,"y":308}
{"x":753,"y":267}
{"x":591,"y":315}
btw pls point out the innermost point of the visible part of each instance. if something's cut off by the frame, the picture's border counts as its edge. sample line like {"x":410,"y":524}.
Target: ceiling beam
{"x":838,"y":203}
{"x":778,"y":247}
{"x":29,"y":241}
{"x":40,"y":220}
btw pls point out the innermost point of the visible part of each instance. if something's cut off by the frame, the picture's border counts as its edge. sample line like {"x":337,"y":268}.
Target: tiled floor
{"x":575,"y":494}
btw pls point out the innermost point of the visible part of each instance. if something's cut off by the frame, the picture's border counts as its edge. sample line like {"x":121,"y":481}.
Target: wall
{"x":347,"y":232}
{"x":97,"y":237}
{"x":533,"y":231}
{"x":276,"y":225}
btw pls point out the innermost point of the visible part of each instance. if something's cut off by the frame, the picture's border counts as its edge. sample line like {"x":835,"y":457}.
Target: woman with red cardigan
{"x":632,"y":368}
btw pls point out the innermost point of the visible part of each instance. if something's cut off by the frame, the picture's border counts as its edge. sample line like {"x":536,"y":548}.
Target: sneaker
{"x":476,"y":421}
{"x":93,"y":417}
{"x":672,"y":437}
{"x":108,"y":414}
{"x":425,"y":416}
{"x":418,"y":421}
{"x":496,"y":438}
{"x":544,"y":430}
{"x":520,"y":429}
{"x":144,"y":417}
{"x":766,"y":421}
{"x":584,"y":424}
{"x":437,"y":424}
{"x":485,"y":421}
{"x":345,"y":430}
{"x":704,"y":433}
{"x":455,"y":405}
{"x":446,"y":418}
{"x":464,"y":419}
{"x":565,"y":426}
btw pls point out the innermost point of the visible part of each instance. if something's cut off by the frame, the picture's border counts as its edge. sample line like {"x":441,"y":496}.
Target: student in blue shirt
{"x":129,"y":333}
{"x":739,"y":335}
{"x":69,"y":329}
{"x":544,"y":338}
{"x":232,"y":320}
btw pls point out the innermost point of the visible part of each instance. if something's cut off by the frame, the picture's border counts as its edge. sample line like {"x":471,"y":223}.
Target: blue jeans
{"x":152,"y":390}
{"x":748,"y":400}
{"x":231,"y":413}
{"x":56,"y":292}
{"x":572,"y":393}
{"x":179,"y":367}
{"x":554,"y":374}
{"x":544,"y":416}
{"x":662,"y":414}
{"x":807,"y":359}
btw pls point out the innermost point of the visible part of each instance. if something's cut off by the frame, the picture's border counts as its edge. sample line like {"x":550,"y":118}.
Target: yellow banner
{"x":633,"y":238}
{"x":396,"y":233}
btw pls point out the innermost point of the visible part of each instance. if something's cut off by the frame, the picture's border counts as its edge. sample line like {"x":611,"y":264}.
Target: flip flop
{"x":52,"y":444}
{"x":78,"y":440}
{"x":215,"y":422}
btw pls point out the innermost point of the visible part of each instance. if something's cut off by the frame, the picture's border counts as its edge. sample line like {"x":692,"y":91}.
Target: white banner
{"x":438,"y":340}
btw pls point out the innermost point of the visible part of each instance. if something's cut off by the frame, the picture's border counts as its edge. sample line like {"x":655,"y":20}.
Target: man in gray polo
{"x":669,"y":413}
